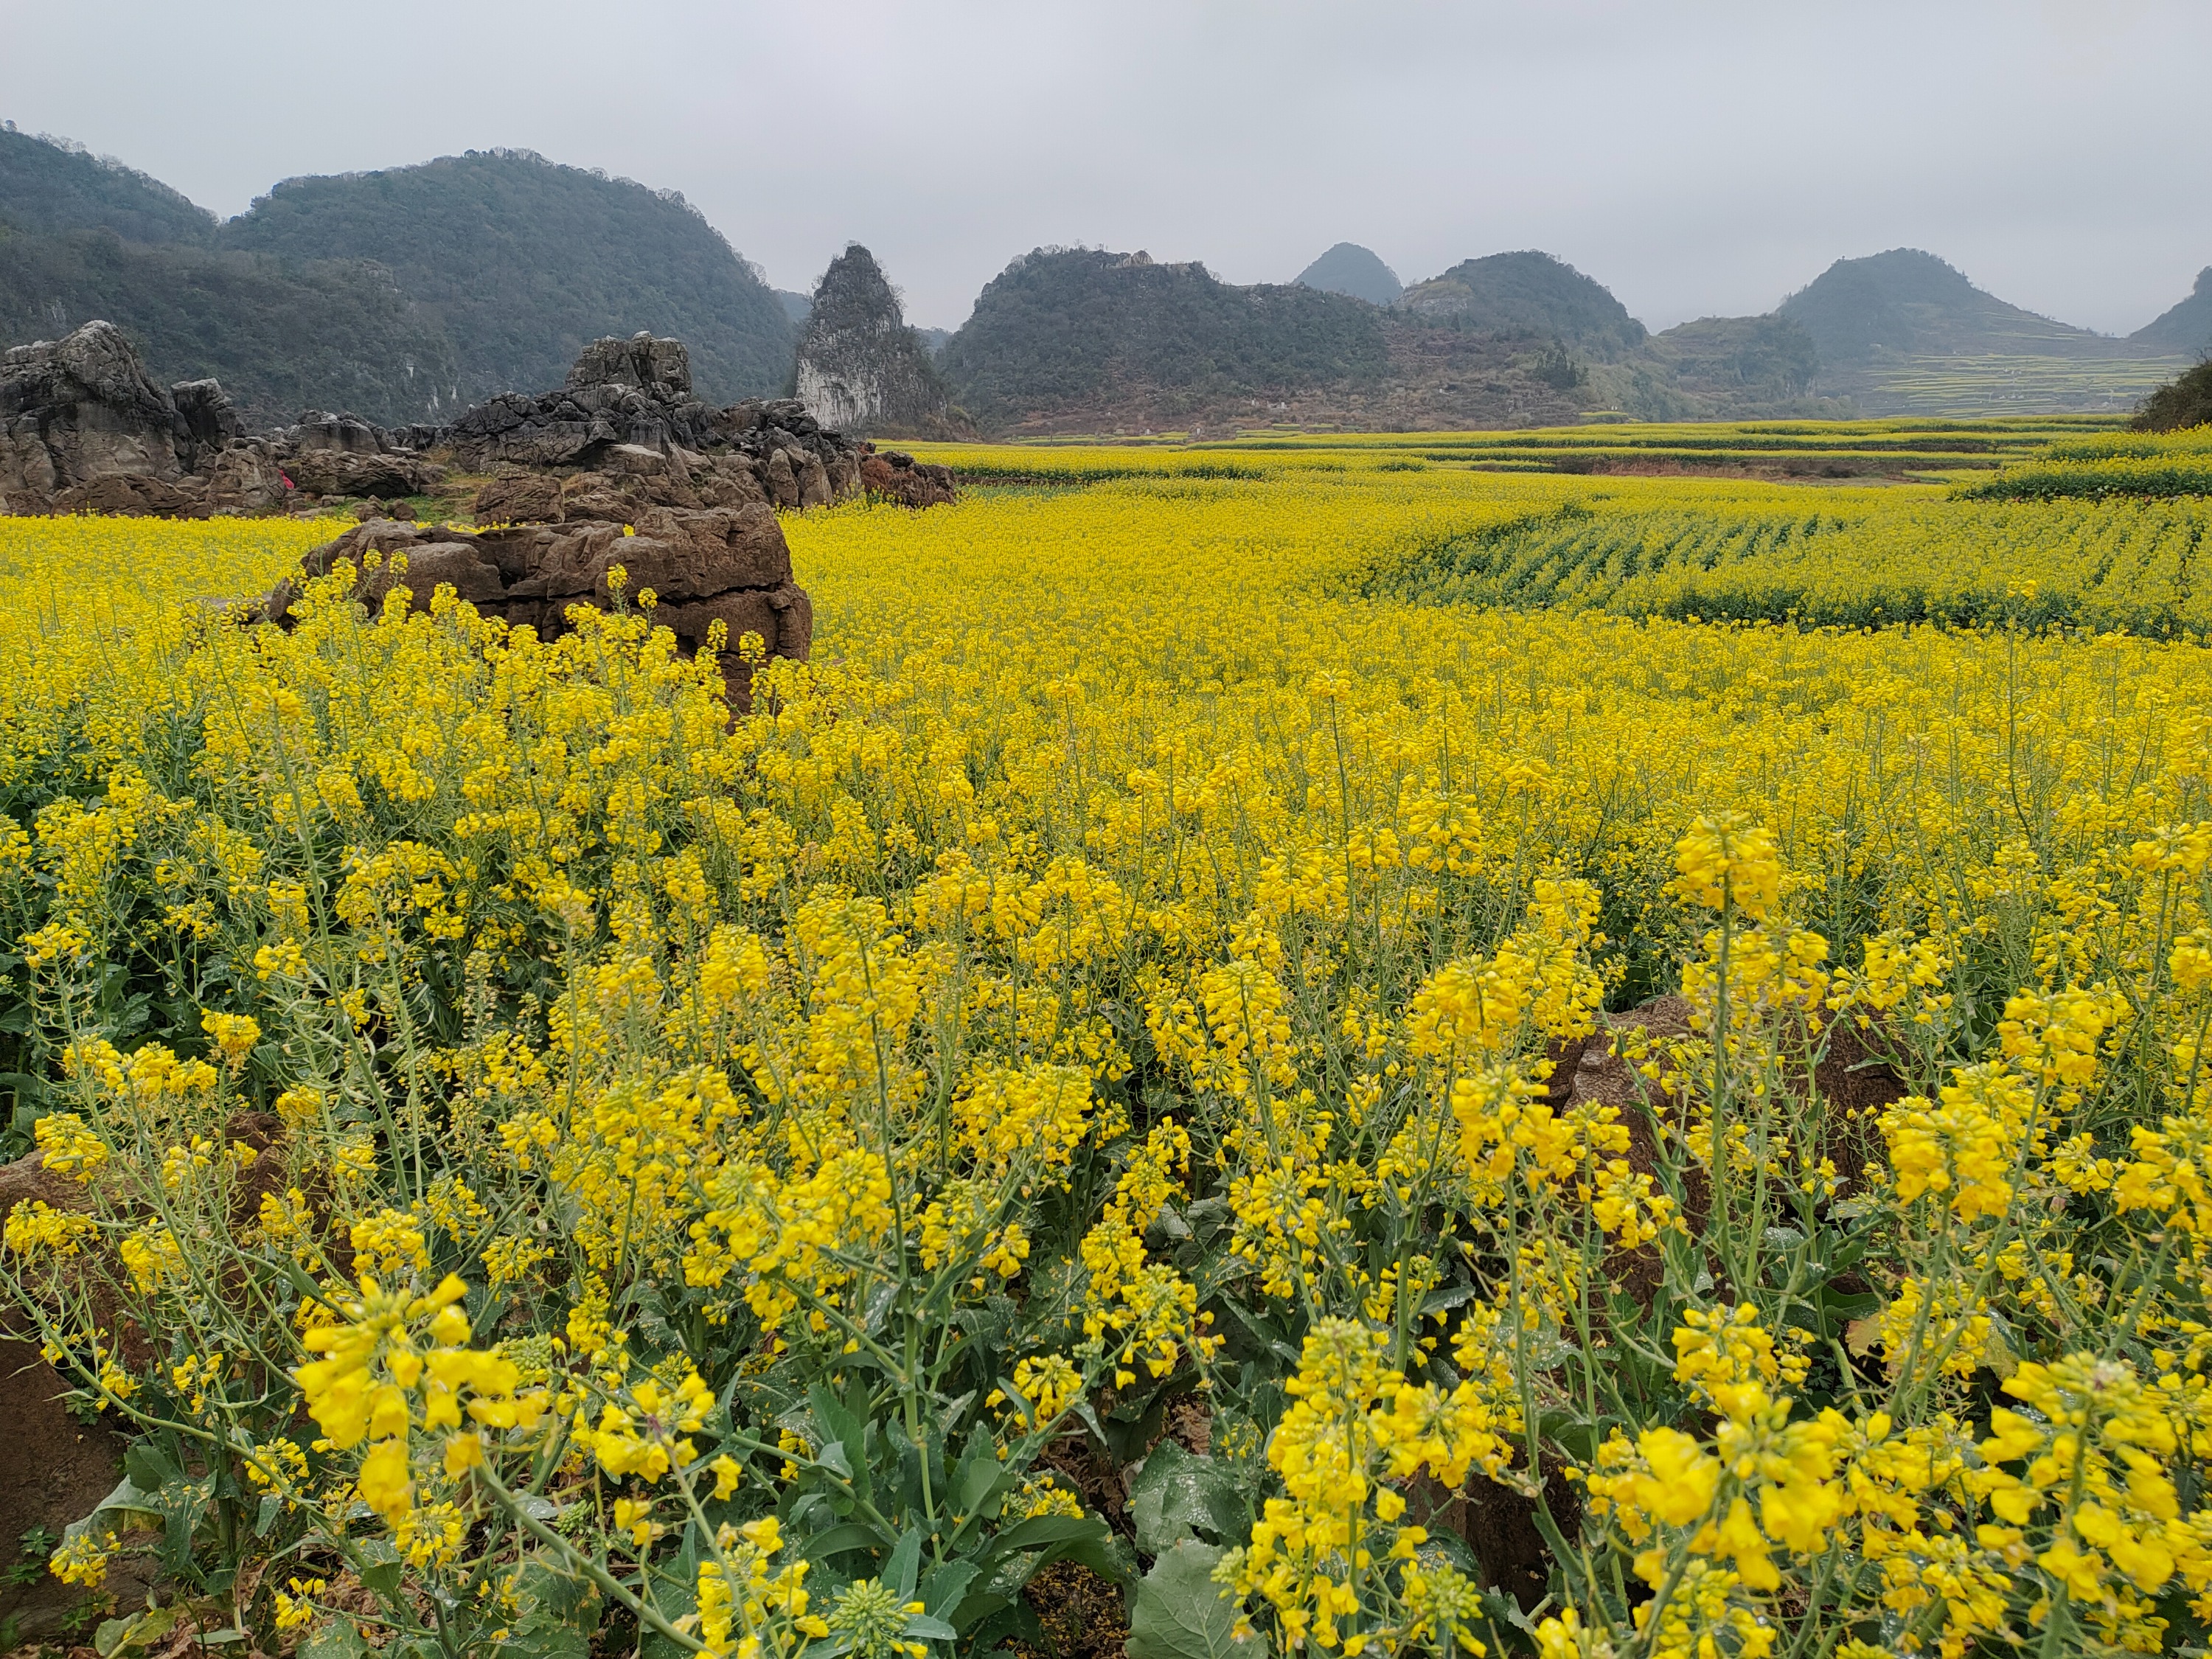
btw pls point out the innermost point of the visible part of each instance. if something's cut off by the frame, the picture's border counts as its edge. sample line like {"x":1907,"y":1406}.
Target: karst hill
{"x":522,"y":262}
{"x":1348,"y":268}
{"x":403,"y":295}
{"x":408,"y":294}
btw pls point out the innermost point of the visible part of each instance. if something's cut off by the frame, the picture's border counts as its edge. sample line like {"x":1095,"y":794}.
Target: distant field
{"x":1941,"y":385}
{"x":2065,"y":522}
{"x":1806,"y":450}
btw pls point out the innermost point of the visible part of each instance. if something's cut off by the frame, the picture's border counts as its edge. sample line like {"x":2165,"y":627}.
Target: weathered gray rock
{"x":349,"y":472}
{"x":625,"y":399}
{"x":861,"y":367}
{"x":205,"y":412}
{"x":78,"y":410}
{"x":660,"y":367}
{"x":83,"y":428}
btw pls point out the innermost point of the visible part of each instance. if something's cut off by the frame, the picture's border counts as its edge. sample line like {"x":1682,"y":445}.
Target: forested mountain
{"x":1080,"y":333}
{"x":404,"y":294}
{"x":1528,"y":293}
{"x":281,"y":338}
{"x":1733,"y":367}
{"x":49,"y":185}
{"x":1905,"y":301}
{"x":401,"y":295}
{"x":1905,"y":333}
{"x":523,"y":262}
{"x":1348,"y":268}
{"x":2186,"y":327}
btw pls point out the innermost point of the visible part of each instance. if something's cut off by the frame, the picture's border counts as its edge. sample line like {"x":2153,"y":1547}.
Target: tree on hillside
{"x":2183,"y":401}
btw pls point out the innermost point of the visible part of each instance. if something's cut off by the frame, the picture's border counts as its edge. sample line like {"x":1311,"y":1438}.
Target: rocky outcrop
{"x":899,"y":478}
{"x":636,"y":394}
{"x":343,"y":455}
{"x":81,"y":411}
{"x":726,"y":564}
{"x":84,"y":428}
{"x":861,"y":367}
{"x":625,"y":434}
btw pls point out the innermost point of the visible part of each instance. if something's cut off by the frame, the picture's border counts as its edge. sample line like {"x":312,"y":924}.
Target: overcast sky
{"x":1698,"y":158}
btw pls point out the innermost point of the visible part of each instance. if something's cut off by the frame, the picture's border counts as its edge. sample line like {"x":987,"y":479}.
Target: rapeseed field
{"x":1137,"y":1067}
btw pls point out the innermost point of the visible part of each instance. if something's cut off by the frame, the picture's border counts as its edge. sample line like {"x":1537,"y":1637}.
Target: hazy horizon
{"x":1698,"y":158}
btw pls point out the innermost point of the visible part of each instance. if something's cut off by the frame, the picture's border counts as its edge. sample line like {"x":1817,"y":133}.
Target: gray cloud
{"x":1699,"y":158}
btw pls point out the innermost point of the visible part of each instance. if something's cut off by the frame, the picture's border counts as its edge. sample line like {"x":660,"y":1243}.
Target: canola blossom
{"x":1127,"y":1068}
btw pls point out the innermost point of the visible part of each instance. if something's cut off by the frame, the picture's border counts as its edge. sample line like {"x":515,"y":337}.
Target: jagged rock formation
{"x":83,"y":427}
{"x":729,"y":565}
{"x":861,"y":368}
{"x":626,"y":428}
{"x":622,"y":466}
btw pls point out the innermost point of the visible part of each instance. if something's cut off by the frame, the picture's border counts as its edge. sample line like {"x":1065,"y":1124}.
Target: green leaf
{"x":1041,"y":1529}
{"x":150,"y":1471}
{"x":941,"y":1592}
{"x":1180,"y":1613}
{"x":128,"y":1505}
{"x":906,"y":1560}
{"x":382,"y":1567}
{"x":979,"y":1474}
{"x":121,"y":1636}
{"x":339,"y":1639}
{"x":835,"y":1541}
{"x":1176,"y":1494}
{"x":841,"y":1424}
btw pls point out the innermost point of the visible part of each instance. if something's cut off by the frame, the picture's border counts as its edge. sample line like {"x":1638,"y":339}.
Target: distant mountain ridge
{"x":402,"y":294}
{"x":1350,"y":269}
{"x":524,"y":262}
{"x":1529,"y":294}
{"x":1062,"y":332}
{"x":50,"y":186}
{"x":83,"y":239}
{"x":1909,"y":301}
{"x":2187,"y":326}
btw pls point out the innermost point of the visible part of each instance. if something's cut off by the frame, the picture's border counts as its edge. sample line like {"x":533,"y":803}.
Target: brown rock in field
{"x":782,"y":483}
{"x":726,"y":564}
{"x":898,"y":477}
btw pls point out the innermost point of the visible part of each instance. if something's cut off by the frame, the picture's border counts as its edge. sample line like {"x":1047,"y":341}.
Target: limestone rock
{"x":861,"y":367}
{"x":209,"y":420}
{"x":245,"y":477}
{"x":660,"y":367}
{"x":79,"y":410}
{"x":346,"y":472}
{"x":84,"y":428}
{"x":703,"y":565}
{"x":627,"y":418}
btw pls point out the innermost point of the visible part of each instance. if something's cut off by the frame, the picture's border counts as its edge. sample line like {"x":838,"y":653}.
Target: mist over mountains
{"x":405,"y":293}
